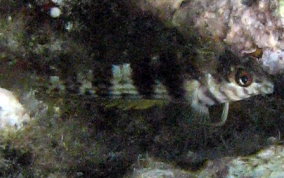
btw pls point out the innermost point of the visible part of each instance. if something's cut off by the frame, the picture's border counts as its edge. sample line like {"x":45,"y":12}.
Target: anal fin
{"x":137,"y":104}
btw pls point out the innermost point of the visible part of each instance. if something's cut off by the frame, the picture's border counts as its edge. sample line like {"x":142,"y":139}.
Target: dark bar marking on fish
{"x":102,"y":75}
{"x":212,"y":97}
{"x":143,"y":76}
{"x":170,"y":73}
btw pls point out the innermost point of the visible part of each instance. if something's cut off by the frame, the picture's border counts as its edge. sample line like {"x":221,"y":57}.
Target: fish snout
{"x":267,"y":88}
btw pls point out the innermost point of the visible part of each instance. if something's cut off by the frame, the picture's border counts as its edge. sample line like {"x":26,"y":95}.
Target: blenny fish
{"x":162,"y":78}
{"x":137,"y":57}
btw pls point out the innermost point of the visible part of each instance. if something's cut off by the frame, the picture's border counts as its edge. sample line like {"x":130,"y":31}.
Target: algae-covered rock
{"x":266,"y":163}
{"x":75,"y":135}
{"x":245,"y":25}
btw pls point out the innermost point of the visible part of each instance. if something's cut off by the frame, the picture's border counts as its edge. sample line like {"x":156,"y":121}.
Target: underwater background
{"x":48,"y":45}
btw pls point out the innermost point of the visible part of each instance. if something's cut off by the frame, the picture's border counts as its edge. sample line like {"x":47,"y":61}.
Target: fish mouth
{"x":267,"y":88}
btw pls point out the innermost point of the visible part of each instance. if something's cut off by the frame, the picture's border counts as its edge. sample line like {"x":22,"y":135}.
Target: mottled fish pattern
{"x":159,"y":62}
{"x":234,"y":79}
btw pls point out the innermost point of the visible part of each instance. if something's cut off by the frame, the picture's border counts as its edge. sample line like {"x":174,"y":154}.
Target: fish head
{"x":243,"y":79}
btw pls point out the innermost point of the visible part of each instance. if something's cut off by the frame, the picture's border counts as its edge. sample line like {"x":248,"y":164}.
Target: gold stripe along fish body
{"x":165,"y":78}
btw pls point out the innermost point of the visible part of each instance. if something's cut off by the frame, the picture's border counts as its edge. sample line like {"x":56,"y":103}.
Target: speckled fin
{"x":200,"y":116}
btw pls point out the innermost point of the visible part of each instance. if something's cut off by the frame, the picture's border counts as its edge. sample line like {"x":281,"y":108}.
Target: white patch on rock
{"x":57,"y":1}
{"x":69,"y":26}
{"x":12,"y":113}
{"x":55,"y":12}
{"x":273,"y":61}
{"x":156,"y":173}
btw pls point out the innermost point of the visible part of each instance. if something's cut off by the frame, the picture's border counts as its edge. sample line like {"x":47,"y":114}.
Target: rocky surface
{"x":266,"y":163}
{"x":245,"y":25}
{"x":248,"y":27}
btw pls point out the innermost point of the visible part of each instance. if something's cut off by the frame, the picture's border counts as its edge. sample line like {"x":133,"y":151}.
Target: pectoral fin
{"x":224,"y":116}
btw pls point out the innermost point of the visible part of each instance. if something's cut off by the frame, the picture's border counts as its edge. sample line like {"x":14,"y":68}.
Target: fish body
{"x":169,"y":79}
{"x":136,"y":56}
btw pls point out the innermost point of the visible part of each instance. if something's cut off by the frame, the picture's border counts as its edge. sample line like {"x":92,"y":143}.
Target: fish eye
{"x":243,"y":78}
